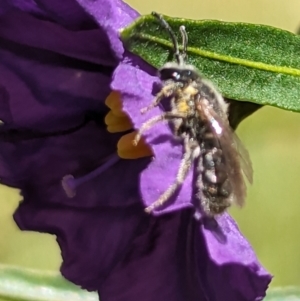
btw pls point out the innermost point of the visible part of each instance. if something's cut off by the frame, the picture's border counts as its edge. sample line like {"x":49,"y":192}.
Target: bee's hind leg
{"x":184,"y":168}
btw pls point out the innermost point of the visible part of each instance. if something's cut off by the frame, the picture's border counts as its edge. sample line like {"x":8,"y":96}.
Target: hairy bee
{"x":198,"y":116}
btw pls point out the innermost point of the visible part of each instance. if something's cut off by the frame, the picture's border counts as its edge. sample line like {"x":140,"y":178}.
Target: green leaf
{"x":247,"y":62}
{"x":283,"y":294}
{"x":32,"y":285}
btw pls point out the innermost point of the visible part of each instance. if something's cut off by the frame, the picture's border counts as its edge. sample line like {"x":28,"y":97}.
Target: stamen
{"x":113,"y":101}
{"x":70,"y":184}
{"x":118,"y":121}
{"x":127,"y":150}
{"x":116,"y":124}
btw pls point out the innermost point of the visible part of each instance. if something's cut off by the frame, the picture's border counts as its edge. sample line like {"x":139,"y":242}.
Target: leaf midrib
{"x":225,"y":58}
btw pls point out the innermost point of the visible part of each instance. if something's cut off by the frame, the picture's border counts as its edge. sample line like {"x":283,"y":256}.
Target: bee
{"x":199,"y":118}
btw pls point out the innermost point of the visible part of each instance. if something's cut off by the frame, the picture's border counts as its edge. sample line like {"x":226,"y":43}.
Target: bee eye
{"x":176,"y":75}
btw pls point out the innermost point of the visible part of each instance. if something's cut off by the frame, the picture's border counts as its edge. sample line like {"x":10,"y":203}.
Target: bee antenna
{"x":179,"y":56}
{"x":184,"y":41}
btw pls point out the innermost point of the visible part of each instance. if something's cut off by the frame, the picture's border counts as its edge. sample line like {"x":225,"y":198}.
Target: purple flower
{"x":55,"y":77}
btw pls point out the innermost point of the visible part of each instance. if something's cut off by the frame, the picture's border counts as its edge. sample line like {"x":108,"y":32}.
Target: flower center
{"x":116,"y":121}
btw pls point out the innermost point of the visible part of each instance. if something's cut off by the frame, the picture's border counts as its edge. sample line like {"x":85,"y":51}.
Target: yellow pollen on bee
{"x":182,"y":106}
{"x":118,"y":121}
{"x":190,"y":91}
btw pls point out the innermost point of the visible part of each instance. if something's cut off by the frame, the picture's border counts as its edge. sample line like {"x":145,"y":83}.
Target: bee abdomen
{"x":216,"y":188}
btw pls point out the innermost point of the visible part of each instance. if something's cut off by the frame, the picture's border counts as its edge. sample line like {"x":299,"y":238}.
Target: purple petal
{"x":137,"y":90}
{"x":161,"y":174}
{"x":170,"y":261}
{"x":136,"y":87}
{"x":103,"y":218}
{"x":231,"y":259}
{"x":92,"y":241}
{"x":160,"y":265}
{"x":67,"y":13}
{"x":29,"y":6}
{"x":38,"y":165}
{"x":61,"y":71}
{"x":111,"y":15}
{"x":89,"y":45}
{"x":45,"y":91}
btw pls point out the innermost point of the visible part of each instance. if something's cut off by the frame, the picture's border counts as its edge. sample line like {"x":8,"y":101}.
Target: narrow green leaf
{"x":283,"y":294}
{"x":32,"y":285}
{"x":247,"y":62}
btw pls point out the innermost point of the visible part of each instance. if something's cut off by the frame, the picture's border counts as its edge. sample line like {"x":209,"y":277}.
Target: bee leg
{"x":166,"y":91}
{"x":152,"y":121}
{"x":153,"y":104}
{"x":184,"y":167}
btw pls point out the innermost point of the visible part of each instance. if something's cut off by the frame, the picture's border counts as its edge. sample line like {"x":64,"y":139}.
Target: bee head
{"x":178,"y":73}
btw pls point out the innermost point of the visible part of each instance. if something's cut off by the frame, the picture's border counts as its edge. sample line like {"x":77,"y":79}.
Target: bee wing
{"x":237,"y":158}
{"x":244,"y":156}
